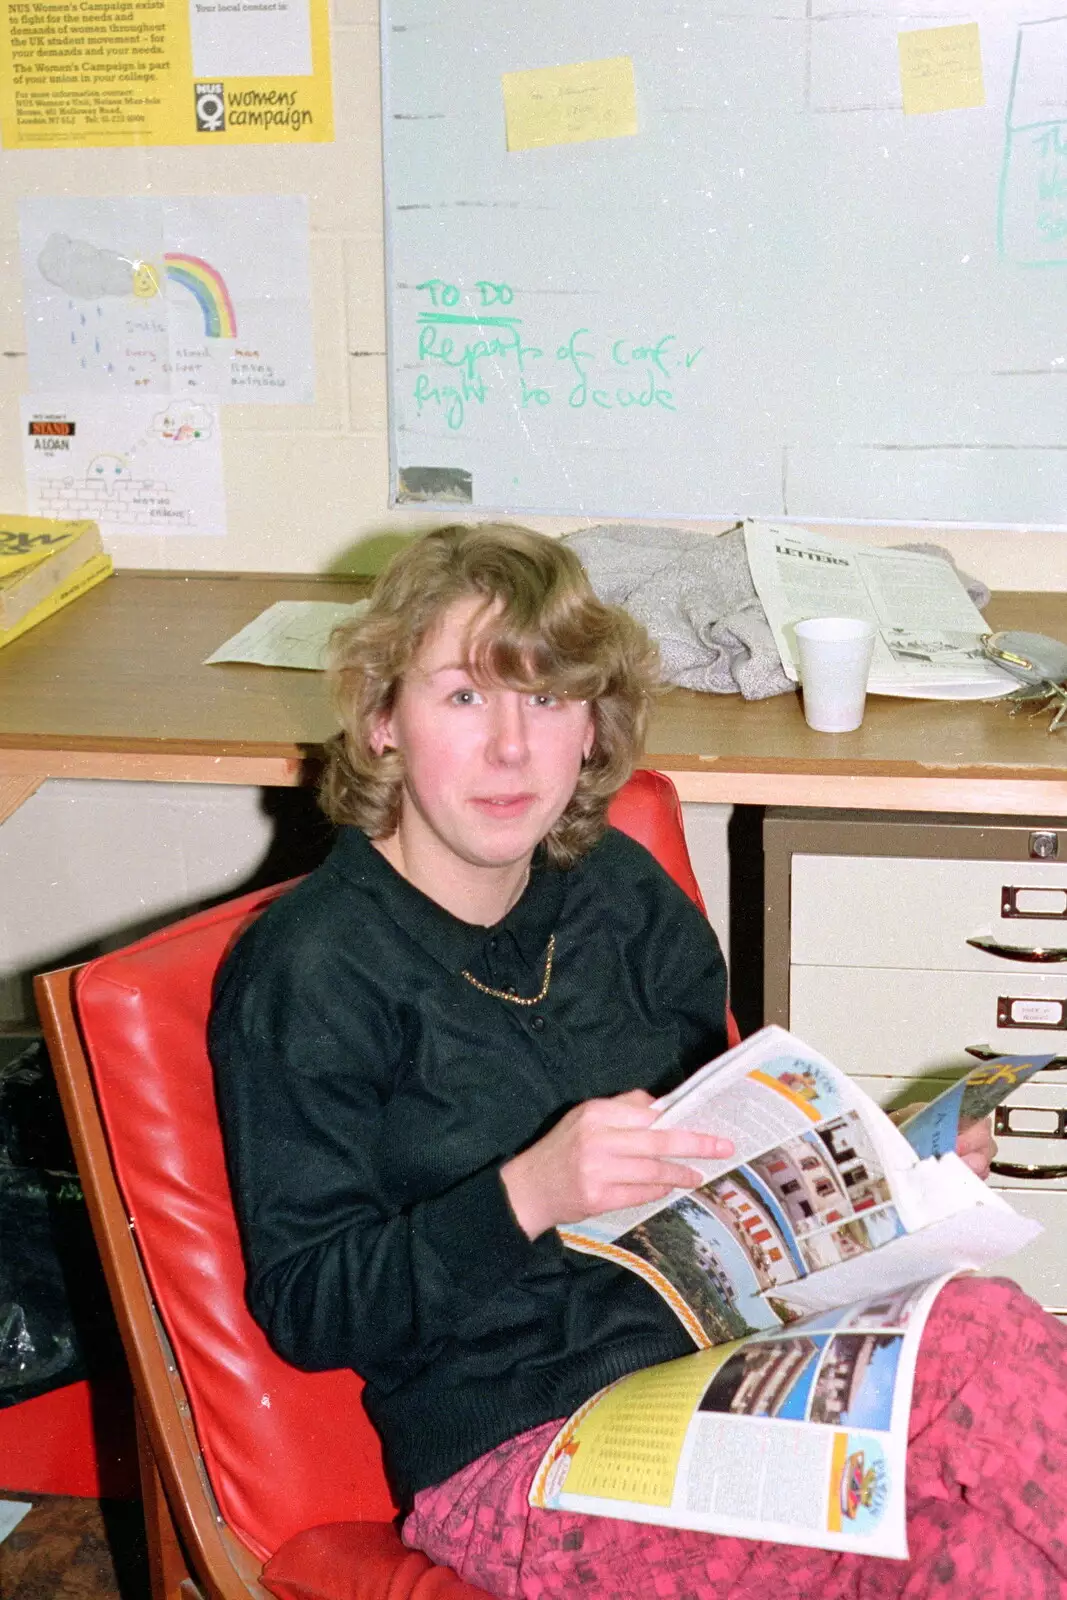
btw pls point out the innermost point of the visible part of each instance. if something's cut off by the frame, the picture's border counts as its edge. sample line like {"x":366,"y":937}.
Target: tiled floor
{"x":68,"y":1549}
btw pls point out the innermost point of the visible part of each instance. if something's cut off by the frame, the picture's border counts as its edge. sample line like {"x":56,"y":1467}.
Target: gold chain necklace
{"x":515,"y":999}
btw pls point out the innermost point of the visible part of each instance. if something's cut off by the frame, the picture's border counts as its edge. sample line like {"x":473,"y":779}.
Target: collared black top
{"x":369,"y":1094}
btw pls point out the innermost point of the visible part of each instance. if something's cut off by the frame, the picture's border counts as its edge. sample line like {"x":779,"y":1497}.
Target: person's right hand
{"x":604,"y":1155}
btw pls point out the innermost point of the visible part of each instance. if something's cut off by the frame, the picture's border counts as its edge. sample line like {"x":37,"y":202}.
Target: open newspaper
{"x":803,"y":1268}
{"x":928,"y":643}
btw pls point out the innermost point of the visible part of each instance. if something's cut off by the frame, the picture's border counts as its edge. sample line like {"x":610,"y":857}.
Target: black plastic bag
{"x":56,"y":1324}
{"x":33,"y":1132}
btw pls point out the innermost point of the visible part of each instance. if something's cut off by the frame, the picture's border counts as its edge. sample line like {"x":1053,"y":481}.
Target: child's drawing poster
{"x":170,"y":296}
{"x":137,"y":463}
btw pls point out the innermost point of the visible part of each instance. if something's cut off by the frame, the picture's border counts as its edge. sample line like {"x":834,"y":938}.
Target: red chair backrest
{"x":284,"y":1450}
{"x":648,"y":809}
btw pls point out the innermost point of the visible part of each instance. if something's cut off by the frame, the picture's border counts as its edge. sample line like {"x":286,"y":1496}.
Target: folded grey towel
{"x":694,"y":594}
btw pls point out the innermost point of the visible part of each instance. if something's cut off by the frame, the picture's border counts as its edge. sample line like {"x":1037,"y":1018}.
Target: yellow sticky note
{"x":566,"y":105}
{"x":941,"y":68}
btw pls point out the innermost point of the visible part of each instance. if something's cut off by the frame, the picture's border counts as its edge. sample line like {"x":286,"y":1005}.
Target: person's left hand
{"x":976,"y":1146}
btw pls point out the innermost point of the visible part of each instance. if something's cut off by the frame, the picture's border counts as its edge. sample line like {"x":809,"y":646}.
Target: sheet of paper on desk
{"x":290,"y":633}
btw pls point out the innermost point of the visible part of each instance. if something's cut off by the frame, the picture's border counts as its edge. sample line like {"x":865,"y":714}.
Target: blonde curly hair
{"x":541,"y":627}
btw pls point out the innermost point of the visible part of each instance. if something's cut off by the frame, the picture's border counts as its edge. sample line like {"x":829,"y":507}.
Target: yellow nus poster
{"x":75,"y":73}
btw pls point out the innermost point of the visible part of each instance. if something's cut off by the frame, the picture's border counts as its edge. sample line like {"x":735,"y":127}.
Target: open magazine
{"x":803,"y":1268}
{"x":929,"y":636}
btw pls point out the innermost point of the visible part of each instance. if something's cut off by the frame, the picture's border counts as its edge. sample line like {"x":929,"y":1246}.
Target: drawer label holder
{"x":1031,"y":1011}
{"x":1009,"y":903}
{"x":1030,"y":1122}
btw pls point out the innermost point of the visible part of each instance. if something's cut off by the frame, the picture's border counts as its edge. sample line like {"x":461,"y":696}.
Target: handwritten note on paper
{"x":941,"y":69}
{"x":290,"y":633}
{"x":570,"y":104}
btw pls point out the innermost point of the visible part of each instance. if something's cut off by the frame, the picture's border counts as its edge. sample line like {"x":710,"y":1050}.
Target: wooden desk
{"x":113,"y":687}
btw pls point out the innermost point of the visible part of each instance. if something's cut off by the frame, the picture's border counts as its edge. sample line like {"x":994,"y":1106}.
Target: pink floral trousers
{"x":987,"y":1493}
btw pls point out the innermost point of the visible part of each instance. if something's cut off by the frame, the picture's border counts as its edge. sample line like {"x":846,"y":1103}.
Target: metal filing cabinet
{"x":905,"y":945}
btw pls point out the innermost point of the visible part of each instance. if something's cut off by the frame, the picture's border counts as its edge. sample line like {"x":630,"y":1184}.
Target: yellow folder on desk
{"x":25,"y":541}
{"x":86,"y":577}
{"x":24,"y":589}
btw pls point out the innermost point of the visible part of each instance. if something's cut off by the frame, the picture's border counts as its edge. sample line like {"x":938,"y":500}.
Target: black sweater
{"x":369,"y":1095}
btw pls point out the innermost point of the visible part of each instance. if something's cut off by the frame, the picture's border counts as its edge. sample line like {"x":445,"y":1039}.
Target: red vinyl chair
{"x":257,"y":1479}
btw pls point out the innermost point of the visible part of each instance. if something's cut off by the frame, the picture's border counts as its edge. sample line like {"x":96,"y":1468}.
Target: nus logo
{"x":209,"y":105}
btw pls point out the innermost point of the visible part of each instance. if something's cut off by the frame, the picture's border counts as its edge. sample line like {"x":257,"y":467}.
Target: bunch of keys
{"x":1040,"y":665}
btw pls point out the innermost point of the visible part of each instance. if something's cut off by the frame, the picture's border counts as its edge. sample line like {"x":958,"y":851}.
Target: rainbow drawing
{"x":207,"y":284}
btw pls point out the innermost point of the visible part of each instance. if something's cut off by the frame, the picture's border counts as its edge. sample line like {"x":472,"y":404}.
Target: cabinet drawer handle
{"x":985,"y":1052}
{"x":1016,"y":952}
{"x":1012,"y":1169}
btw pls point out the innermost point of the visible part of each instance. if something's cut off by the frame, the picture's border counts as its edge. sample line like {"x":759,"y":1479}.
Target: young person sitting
{"x":446,"y":1041}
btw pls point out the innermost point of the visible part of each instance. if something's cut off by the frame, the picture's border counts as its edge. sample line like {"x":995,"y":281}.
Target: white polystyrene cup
{"x":835,"y":660}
